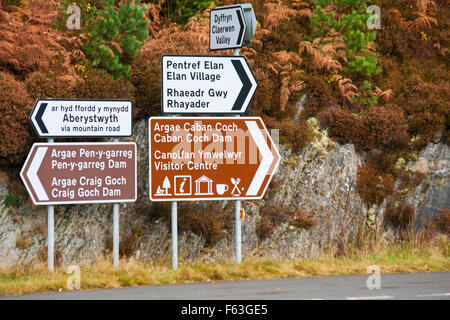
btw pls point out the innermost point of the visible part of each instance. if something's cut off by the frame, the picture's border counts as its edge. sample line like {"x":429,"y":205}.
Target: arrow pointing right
{"x":241,"y":31}
{"x":267,"y":158}
{"x":246,"y":85}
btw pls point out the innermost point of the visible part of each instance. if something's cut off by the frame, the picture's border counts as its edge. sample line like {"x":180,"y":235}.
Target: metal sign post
{"x":50,"y":233}
{"x":237,"y":213}
{"x":174,"y":220}
{"x":238,"y":233}
{"x":71,"y":173}
{"x":116,"y":230}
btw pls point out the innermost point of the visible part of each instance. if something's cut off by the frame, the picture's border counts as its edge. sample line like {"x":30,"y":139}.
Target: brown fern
{"x":323,"y":56}
{"x":282,"y":65}
{"x":426,"y":5}
{"x":423,"y":21}
{"x":386,"y":95}
{"x":277,"y":12}
{"x":347,"y":89}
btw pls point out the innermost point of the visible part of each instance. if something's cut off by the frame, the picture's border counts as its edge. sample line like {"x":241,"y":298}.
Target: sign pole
{"x":174,"y":219}
{"x":116,"y":239}
{"x":237,"y":212}
{"x":50,"y":234}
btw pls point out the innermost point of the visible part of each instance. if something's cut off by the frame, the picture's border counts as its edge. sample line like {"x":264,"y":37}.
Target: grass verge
{"x":395,"y":258}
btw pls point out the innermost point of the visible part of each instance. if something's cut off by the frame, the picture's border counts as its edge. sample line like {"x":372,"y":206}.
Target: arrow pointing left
{"x":82,"y":118}
{"x":40,"y":113}
{"x":69,"y":173}
{"x":32,"y":174}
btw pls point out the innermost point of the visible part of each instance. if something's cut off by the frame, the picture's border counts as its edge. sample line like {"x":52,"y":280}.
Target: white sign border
{"x":205,"y":113}
{"x":243,"y":21}
{"x":46,"y":144}
{"x":206,"y":199}
{"x":43,"y":135}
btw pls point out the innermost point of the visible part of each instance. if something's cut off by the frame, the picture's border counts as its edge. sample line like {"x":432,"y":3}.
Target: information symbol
{"x":183,"y":185}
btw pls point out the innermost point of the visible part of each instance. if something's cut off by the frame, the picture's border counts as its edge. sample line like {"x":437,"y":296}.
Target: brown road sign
{"x":68,"y":173}
{"x":214,"y":158}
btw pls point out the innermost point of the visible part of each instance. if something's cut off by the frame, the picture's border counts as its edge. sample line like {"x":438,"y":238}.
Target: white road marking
{"x":369,"y":298}
{"x":434,"y":295}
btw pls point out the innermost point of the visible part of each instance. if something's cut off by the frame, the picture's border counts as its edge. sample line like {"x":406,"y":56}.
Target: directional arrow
{"x":66,"y":173}
{"x":32,"y":176}
{"x":242,"y":26}
{"x":206,"y":84}
{"x":82,"y":118}
{"x":267,"y":158}
{"x":202,"y":158}
{"x":246,"y":85}
{"x":40,"y":113}
{"x":227,"y":28}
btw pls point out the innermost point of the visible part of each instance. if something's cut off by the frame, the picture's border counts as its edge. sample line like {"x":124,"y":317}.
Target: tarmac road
{"x":420,"y":286}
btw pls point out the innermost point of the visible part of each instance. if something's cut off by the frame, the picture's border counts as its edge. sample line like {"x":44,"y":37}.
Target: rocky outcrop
{"x":433,"y":194}
{"x":319,"y":181}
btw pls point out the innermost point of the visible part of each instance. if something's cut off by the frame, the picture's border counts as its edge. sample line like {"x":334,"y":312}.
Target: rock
{"x":319,"y":181}
{"x":433,"y":194}
{"x":300,"y":106}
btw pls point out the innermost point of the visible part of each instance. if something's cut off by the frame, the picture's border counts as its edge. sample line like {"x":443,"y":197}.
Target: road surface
{"x":393,"y":286}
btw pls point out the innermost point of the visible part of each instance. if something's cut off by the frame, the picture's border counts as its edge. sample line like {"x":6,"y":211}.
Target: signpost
{"x":218,"y":158}
{"x":82,"y":118}
{"x":70,"y":173}
{"x":75,"y":119}
{"x":227,"y":28}
{"x":206,"y":85}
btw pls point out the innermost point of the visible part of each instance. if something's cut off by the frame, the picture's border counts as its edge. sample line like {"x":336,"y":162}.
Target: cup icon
{"x":221,"y":188}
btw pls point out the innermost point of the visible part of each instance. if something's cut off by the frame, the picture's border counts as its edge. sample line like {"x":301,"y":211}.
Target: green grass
{"x":397,"y":258}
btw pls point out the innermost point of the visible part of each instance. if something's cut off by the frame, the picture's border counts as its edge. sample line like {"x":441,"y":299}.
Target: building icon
{"x":203,"y":186}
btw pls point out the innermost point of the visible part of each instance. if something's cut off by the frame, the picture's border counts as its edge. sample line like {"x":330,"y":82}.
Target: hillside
{"x":363,"y":117}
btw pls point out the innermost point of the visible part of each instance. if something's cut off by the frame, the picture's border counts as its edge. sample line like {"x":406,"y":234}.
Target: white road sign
{"x":82,"y":118}
{"x":206,"y":84}
{"x":227,"y":28}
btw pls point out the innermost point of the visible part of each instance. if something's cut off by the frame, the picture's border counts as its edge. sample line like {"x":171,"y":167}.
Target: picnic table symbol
{"x":164,"y":189}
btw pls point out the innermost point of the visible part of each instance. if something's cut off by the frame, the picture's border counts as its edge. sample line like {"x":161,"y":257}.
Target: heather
{"x":384,"y":90}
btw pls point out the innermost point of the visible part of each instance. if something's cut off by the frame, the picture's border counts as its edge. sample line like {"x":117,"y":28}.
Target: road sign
{"x":67,"y":173}
{"x":226,"y":28}
{"x":82,"y":118}
{"x":215,"y":158}
{"x":206,"y":84}
{"x":250,"y":21}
